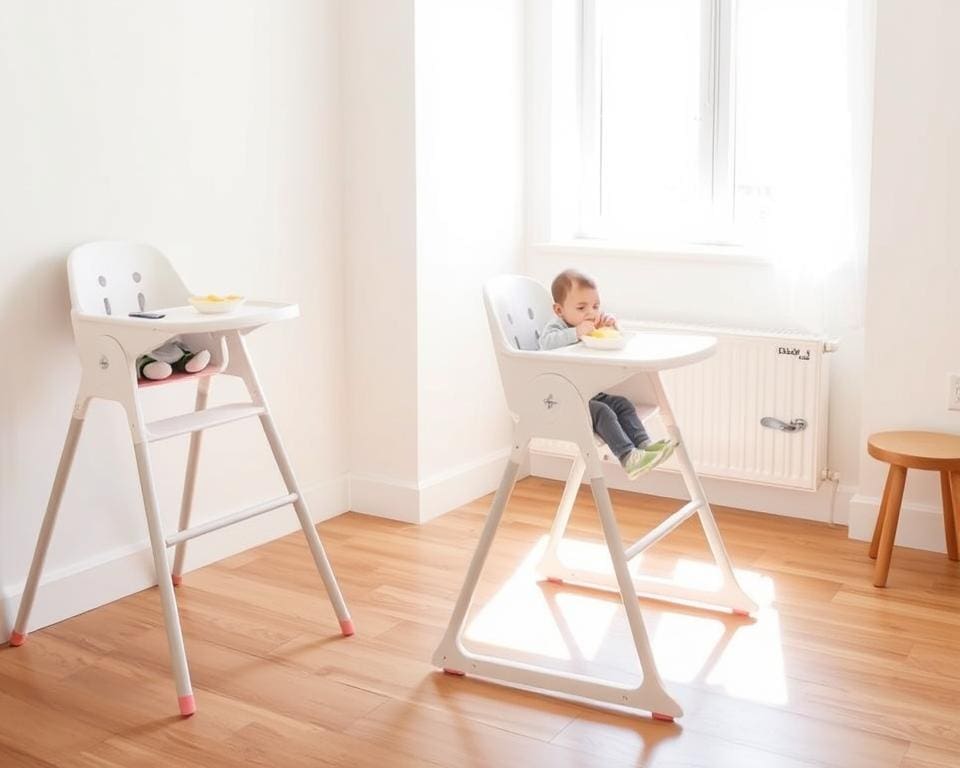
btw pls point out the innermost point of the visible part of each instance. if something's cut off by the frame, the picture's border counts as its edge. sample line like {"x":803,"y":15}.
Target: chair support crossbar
{"x":235,"y":517}
{"x":667,"y":526}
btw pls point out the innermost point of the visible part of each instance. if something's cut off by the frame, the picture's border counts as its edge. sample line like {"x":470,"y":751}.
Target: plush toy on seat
{"x":172,"y":356}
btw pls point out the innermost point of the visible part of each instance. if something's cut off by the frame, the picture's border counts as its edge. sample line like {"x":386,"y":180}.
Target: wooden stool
{"x":933,"y":451}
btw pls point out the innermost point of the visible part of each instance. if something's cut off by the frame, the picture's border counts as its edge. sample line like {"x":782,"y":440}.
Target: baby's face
{"x":581,"y":303}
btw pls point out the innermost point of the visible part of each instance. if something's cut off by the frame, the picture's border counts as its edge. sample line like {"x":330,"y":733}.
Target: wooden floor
{"x":832,"y":672}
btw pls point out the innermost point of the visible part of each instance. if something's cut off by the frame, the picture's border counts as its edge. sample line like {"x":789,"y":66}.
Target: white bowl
{"x":206,"y":307}
{"x":616,"y":342}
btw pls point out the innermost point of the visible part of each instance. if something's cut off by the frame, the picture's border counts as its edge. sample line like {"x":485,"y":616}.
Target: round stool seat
{"x":917,"y":450}
{"x":933,"y":451}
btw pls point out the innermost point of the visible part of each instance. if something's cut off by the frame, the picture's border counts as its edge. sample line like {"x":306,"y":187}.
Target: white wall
{"x":912,"y":313}
{"x":469,"y":91}
{"x":211,"y":130}
{"x":379,"y":246}
{"x":432,"y":206}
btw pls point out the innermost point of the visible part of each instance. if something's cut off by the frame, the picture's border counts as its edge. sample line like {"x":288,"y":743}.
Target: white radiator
{"x":778,"y":378}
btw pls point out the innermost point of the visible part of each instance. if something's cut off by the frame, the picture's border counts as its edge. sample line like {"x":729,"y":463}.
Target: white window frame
{"x":717,"y":139}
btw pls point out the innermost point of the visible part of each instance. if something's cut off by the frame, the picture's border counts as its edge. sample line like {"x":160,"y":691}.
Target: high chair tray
{"x":643,"y":351}
{"x":186,"y":319}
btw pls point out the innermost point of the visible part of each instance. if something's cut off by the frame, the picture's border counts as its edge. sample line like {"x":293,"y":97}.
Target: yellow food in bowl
{"x":605,"y":333}
{"x":217,"y":297}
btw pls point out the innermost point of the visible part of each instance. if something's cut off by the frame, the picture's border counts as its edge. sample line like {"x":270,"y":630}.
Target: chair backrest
{"x":115,"y":278}
{"x":517,"y":310}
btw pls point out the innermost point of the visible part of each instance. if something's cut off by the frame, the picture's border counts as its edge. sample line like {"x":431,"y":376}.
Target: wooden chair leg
{"x":881,"y":514}
{"x":949,"y":514}
{"x":898,"y":479}
{"x":950,"y":490}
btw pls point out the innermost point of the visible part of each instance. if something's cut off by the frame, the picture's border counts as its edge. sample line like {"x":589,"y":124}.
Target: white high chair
{"x":108,"y":280}
{"x":548,"y":395}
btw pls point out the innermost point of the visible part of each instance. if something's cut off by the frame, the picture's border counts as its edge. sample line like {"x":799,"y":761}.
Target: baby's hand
{"x":586,"y":327}
{"x":607,"y":321}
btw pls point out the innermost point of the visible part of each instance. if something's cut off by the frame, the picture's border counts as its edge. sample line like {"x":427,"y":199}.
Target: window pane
{"x":792,"y":170}
{"x":650,"y":113}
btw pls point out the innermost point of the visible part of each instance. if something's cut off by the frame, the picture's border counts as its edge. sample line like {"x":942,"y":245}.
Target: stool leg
{"x":955,"y":498}
{"x":190,"y":482}
{"x":171,"y":619}
{"x":19,"y":633}
{"x":898,"y":479}
{"x":881,"y":514}
{"x":949,"y":523}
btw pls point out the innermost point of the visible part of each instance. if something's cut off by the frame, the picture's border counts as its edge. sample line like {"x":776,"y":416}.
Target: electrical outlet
{"x":953,"y":396}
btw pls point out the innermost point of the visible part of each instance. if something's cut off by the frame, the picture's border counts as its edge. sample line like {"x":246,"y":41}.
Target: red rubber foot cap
{"x":554,"y":580}
{"x":177,"y":580}
{"x":740,"y":612}
{"x":346,"y":627}
{"x":662,"y":718}
{"x":188,"y":705}
{"x":455,"y":672}
{"x":16,"y":639}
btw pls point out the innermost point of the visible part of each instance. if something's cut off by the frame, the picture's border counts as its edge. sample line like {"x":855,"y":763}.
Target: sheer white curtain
{"x":804,"y":110}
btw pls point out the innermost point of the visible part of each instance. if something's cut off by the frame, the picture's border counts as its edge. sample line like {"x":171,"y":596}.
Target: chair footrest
{"x":210,"y":370}
{"x":198,"y":420}
{"x":235,"y":517}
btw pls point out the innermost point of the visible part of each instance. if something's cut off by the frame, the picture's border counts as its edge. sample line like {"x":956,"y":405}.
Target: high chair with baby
{"x":108,"y":281}
{"x":548,"y":394}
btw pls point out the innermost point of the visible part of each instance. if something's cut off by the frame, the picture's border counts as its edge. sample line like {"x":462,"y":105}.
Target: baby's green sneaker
{"x":663,"y":449}
{"x":642,"y":460}
{"x":639,"y":462}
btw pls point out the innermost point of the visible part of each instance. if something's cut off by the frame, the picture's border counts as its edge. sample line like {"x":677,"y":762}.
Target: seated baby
{"x":615,"y":420}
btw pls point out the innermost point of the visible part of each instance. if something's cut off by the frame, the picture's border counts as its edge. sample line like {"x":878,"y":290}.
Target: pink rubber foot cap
{"x":554,"y":580}
{"x":16,"y":639}
{"x":346,"y":627}
{"x":662,"y":718}
{"x":454,"y":672}
{"x":740,"y":612}
{"x":177,"y":580}
{"x":188,"y":705}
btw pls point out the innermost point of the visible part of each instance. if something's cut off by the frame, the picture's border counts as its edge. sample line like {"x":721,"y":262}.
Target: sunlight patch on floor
{"x":577,"y":628}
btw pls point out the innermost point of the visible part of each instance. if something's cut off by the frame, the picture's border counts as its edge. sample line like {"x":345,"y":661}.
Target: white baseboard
{"x":385,"y":497}
{"x":920,"y":527}
{"x":461,"y":485}
{"x":83,"y":586}
{"x":828,"y":504}
{"x":420,"y":502}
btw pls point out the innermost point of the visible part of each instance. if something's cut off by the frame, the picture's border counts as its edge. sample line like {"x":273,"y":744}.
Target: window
{"x":713,"y":121}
